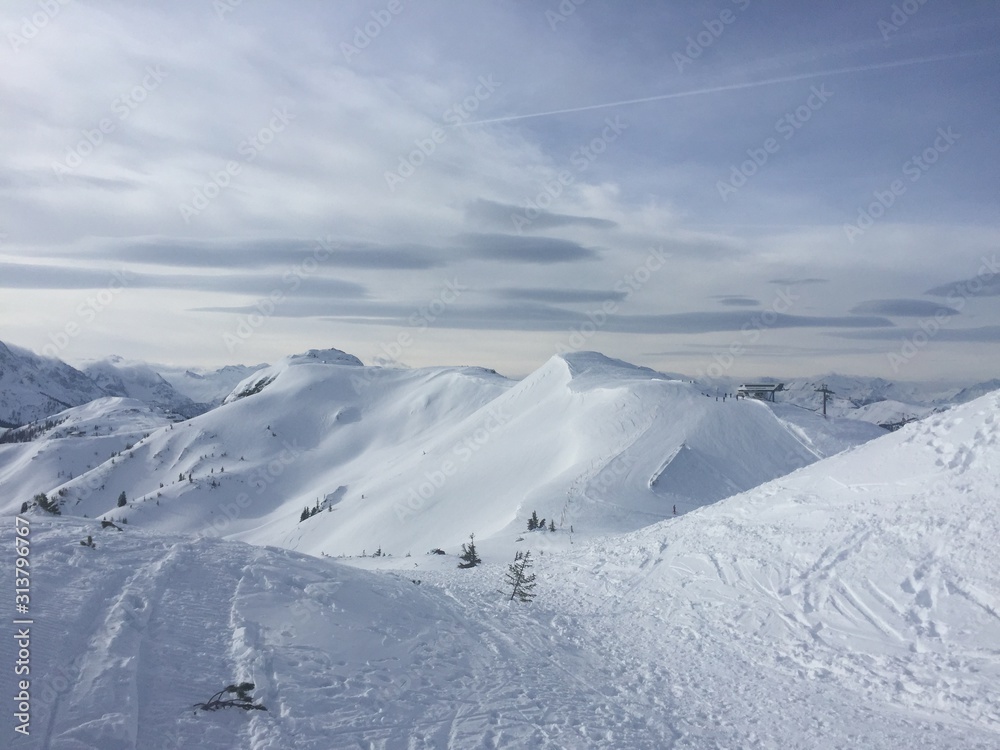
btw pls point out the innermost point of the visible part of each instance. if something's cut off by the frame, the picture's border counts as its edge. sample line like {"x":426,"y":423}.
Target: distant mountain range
{"x":33,"y":387}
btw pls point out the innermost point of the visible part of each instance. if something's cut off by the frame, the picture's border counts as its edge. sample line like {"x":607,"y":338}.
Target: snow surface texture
{"x":850,"y":604}
{"x":409,"y":460}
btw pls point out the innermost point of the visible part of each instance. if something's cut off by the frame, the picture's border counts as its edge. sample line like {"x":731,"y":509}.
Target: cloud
{"x":537,"y":316}
{"x":560,"y":296}
{"x":798,"y":282}
{"x":907,"y":308}
{"x":256,"y":253}
{"x":509,"y":248}
{"x":506,"y":216}
{"x":984,"y":285}
{"x":24,"y":276}
{"x":736,"y":300}
{"x":982,"y":334}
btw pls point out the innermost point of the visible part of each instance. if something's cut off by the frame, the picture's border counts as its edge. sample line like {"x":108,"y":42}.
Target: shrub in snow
{"x":242,"y":699}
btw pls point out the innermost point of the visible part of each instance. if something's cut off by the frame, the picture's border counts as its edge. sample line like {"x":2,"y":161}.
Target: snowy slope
{"x":33,"y":387}
{"x":128,"y":636}
{"x":408,"y":460}
{"x":852,"y":603}
{"x":138,"y":380}
{"x":866,"y":581}
{"x":82,"y":438}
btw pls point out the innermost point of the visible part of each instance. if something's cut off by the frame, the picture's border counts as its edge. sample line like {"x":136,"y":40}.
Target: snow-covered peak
{"x":33,"y":387}
{"x":324,"y":356}
{"x":599,"y":365}
{"x":132,"y":379}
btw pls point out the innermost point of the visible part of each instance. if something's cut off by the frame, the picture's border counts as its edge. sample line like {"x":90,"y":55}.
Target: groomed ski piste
{"x":850,"y":603}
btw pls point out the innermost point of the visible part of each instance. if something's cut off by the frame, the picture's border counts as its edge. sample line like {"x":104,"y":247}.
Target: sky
{"x":730,"y":187}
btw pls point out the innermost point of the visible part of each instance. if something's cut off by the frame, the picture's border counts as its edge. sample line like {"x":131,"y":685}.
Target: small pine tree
{"x":122,"y":500}
{"x":521,"y":582}
{"x":305,"y":514}
{"x":552,"y":525}
{"x":470,"y":558}
{"x":533,"y":521}
{"x":541,"y":524}
{"x":49,"y":506}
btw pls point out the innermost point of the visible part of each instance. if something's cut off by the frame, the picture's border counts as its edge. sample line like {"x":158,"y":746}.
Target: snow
{"x":377,"y":447}
{"x":138,"y":380}
{"x":825,"y":583}
{"x":34,"y":387}
{"x":850,"y":604}
{"x":206,"y":386}
{"x":83,"y":438}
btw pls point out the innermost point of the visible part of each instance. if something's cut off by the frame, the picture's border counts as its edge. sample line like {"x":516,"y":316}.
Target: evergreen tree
{"x":49,"y":506}
{"x":552,"y":525}
{"x":469,"y":555}
{"x":521,"y":582}
{"x":533,"y":521}
{"x":305,"y":514}
{"x":122,"y":500}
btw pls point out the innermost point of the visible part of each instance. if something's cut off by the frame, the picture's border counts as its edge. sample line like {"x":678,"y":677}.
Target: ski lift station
{"x":760,"y":391}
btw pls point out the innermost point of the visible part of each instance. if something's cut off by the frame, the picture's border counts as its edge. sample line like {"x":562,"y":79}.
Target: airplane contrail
{"x":739,"y":86}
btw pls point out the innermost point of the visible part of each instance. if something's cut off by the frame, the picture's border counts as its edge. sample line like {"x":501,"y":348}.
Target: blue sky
{"x":732,"y":187}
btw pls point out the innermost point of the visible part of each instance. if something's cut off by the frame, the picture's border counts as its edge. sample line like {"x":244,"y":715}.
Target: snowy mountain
{"x":33,"y":387}
{"x":975,"y":391}
{"x":138,"y":380}
{"x":205,"y":386}
{"x":42,"y":455}
{"x":852,"y":603}
{"x":593,"y":444}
